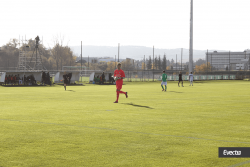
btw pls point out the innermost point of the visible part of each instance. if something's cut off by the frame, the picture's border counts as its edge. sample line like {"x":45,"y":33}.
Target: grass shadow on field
{"x":137,"y":105}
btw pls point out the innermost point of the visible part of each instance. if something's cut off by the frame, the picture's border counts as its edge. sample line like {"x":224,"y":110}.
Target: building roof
{"x":86,"y":58}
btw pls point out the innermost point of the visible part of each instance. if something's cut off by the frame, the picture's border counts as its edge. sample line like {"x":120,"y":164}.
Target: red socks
{"x":122,"y":92}
{"x":117,"y":94}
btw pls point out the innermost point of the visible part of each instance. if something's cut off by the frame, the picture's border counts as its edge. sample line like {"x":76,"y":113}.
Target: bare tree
{"x":57,"y":50}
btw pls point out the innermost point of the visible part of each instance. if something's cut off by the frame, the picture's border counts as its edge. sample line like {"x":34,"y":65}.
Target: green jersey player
{"x":164,"y":81}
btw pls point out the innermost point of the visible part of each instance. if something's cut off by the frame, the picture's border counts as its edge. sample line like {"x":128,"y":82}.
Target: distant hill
{"x":136,"y":52}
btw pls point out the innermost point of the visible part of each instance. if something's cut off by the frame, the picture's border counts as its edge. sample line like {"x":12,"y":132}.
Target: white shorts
{"x":191,"y":80}
{"x":163,"y":83}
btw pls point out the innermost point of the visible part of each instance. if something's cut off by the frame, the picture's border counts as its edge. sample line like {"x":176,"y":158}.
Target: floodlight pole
{"x":191,"y":39}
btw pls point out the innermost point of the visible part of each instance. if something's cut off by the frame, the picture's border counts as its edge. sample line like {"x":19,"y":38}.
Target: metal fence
{"x":144,"y":76}
{"x":153,"y":75}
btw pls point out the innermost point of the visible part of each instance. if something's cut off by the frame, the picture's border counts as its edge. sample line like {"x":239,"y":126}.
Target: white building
{"x":229,"y":60}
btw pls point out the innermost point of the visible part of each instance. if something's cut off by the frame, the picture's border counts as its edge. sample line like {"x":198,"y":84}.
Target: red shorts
{"x":119,"y":85}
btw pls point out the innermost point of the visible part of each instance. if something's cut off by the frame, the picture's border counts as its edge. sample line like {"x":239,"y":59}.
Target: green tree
{"x":159,"y":63}
{"x":110,"y":66}
{"x":164,"y":62}
{"x":102,"y":65}
{"x":128,"y":65}
{"x":9,"y":55}
{"x":155,"y":63}
{"x":143,"y":65}
{"x":149,"y":63}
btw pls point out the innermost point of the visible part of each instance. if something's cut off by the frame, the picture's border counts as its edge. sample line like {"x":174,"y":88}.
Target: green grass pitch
{"x":47,"y":126}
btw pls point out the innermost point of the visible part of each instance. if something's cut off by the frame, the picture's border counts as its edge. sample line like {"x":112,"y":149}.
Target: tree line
{"x":53,"y":58}
{"x":60,"y":54}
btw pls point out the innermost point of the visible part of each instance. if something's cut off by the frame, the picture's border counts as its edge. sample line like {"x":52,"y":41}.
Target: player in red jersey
{"x":120,"y":75}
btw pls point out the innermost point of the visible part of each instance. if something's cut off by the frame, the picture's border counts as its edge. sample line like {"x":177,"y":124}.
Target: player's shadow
{"x":71,"y":90}
{"x":200,"y":82}
{"x":175,"y":92}
{"x":137,"y":105}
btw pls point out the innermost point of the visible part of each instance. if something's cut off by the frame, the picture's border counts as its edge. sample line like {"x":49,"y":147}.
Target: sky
{"x":218,"y":24}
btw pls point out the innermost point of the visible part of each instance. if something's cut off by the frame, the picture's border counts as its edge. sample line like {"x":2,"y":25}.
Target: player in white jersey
{"x":191,"y":78}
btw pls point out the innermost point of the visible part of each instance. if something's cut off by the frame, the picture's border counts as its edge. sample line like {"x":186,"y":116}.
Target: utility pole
{"x":207,"y":62}
{"x":115,"y":61}
{"x":81,"y":61}
{"x":211,"y":62}
{"x":229,"y":65}
{"x":176,"y":64}
{"x":153,"y":62}
{"x":144,"y":67}
{"x":144,"y":63}
{"x":36,"y":57}
{"x":181,"y":58}
{"x":118,"y":51}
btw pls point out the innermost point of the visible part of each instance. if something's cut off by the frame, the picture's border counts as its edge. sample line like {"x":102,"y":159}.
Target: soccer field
{"x":47,"y":126}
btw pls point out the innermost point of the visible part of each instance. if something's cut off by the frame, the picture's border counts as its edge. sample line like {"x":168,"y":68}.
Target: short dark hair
{"x":119,"y":63}
{"x":163,"y":71}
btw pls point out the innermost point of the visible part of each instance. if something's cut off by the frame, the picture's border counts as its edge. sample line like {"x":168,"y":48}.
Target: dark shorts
{"x":180,"y":79}
{"x":65,"y":82}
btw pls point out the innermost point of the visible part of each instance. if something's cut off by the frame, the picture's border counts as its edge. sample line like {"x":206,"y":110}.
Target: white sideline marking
{"x":239,"y":164}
